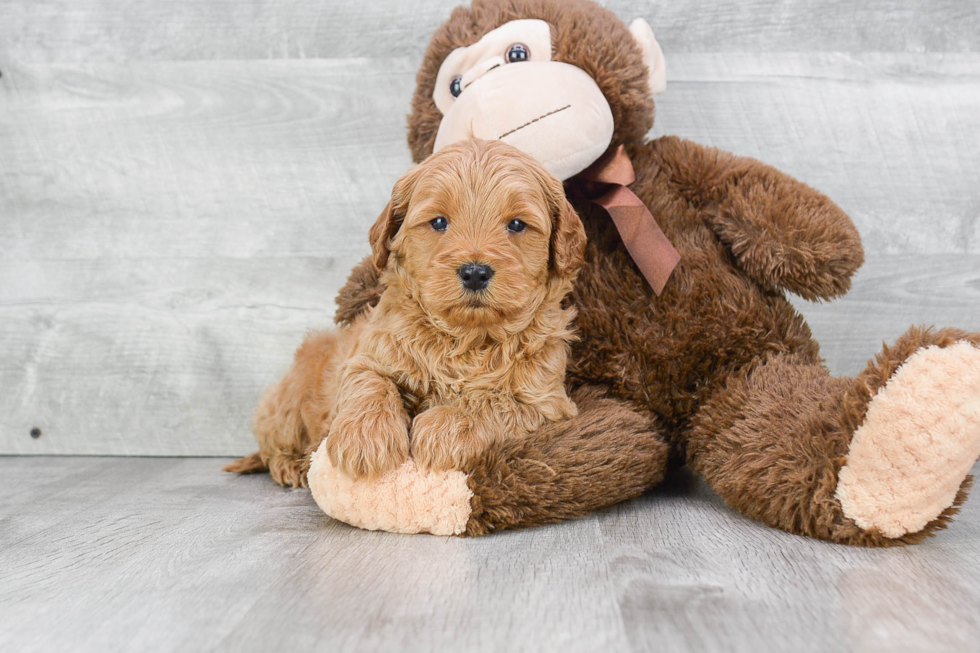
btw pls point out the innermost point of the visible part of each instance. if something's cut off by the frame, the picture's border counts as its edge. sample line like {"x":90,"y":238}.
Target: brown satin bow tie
{"x":605,"y":183}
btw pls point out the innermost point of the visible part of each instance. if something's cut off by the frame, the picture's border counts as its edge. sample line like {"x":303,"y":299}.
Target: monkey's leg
{"x":606,"y":454}
{"x":877,"y":460}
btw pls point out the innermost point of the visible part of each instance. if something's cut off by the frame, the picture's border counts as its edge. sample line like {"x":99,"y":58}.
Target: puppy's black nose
{"x":475,"y":276}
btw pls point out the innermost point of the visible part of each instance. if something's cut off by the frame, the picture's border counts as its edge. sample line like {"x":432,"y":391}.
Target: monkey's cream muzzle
{"x":553,"y":111}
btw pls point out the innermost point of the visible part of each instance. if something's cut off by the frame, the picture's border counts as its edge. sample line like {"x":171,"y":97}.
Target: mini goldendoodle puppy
{"x":468,"y":344}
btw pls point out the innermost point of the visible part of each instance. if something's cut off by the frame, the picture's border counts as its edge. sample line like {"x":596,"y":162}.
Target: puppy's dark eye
{"x":518,"y":53}
{"x":516,"y":226}
{"x":439,"y":224}
{"x":456,"y":86}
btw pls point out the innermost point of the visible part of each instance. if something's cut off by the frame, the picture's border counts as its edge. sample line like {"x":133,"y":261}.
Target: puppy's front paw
{"x":442,"y":439}
{"x":361,"y":444}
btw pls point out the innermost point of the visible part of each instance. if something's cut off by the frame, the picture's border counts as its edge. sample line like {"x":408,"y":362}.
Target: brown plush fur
{"x":606,"y":454}
{"x":762,"y":429}
{"x":462,"y":370}
{"x":721,"y":362}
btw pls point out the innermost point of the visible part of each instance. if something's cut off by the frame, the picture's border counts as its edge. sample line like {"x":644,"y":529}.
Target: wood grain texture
{"x":47,"y":31}
{"x":894,"y":139}
{"x":890,"y":294}
{"x":171,"y":229}
{"x":170,"y":554}
{"x":183,"y":188}
{"x":691,"y":575}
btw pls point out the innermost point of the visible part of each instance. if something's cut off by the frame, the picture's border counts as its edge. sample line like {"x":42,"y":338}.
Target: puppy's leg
{"x":449,"y":437}
{"x":288,"y":421}
{"x":369,"y":436}
{"x":444,"y":438}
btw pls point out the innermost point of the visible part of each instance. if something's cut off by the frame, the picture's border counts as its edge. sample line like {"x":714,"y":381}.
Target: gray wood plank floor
{"x":169,"y":554}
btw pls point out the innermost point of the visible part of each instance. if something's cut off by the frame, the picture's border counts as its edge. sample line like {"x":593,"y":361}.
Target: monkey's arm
{"x":782,"y":232}
{"x":362,"y":291}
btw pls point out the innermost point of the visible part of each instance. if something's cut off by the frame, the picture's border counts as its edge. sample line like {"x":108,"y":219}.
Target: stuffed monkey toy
{"x":688,"y":349}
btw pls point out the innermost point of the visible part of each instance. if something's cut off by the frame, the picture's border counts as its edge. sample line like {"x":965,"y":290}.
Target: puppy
{"x":468,"y":343}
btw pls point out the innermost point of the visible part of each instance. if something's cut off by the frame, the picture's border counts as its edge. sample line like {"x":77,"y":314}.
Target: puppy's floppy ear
{"x":567,"y":236}
{"x":386,"y":226}
{"x":380,"y":235}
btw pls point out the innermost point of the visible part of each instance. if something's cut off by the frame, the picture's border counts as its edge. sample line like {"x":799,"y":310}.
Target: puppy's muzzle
{"x":475,"y":276}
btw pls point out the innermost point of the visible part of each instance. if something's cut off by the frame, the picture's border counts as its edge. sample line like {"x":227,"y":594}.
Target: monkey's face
{"x":507,"y":87}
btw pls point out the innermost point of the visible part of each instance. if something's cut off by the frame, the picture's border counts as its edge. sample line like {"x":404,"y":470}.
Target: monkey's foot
{"x":919,"y":439}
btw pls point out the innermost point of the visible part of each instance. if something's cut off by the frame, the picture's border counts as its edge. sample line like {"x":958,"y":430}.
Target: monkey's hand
{"x":780,"y":231}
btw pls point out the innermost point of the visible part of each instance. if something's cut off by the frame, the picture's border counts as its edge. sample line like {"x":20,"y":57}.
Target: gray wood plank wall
{"x":185,"y":185}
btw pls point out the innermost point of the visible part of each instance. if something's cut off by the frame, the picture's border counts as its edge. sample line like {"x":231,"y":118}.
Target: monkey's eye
{"x":516,"y":226}
{"x":456,"y":86}
{"x":518,"y":53}
{"x":439,"y":224}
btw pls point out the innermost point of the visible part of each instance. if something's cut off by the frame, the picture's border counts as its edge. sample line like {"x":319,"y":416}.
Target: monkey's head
{"x":562,"y":80}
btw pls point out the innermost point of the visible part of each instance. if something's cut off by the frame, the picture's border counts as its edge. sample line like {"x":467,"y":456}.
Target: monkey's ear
{"x":653,"y":56}
{"x":567,"y":239}
{"x":386,"y":226}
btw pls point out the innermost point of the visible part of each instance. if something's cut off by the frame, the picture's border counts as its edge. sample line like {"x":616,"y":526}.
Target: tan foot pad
{"x":919,"y":439}
{"x":406,"y":500}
